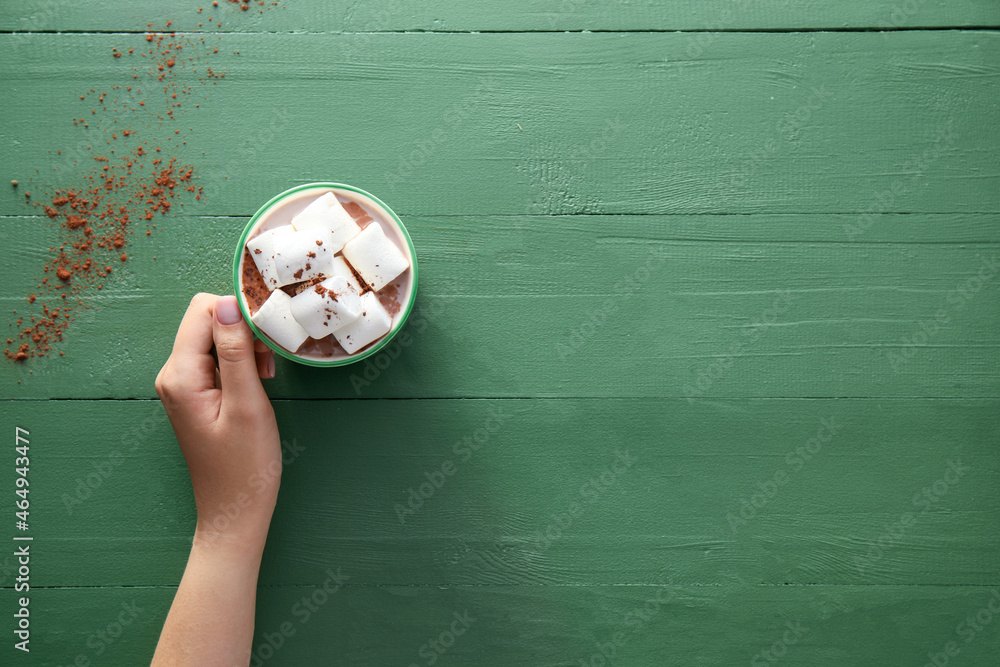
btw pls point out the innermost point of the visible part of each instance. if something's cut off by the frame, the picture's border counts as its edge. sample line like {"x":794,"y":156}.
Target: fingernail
{"x":226,"y":310}
{"x":270,"y":365}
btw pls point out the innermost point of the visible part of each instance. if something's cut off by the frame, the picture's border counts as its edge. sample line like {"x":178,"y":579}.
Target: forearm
{"x":212,"y":617}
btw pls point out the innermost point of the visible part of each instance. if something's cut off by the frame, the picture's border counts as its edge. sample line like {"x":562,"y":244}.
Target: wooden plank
{"x":541,"y":625}
{"x":840,"y":188}
{"x":719,"y":492}
{"x":452,"y":15}
{"x":704,"y":308}
{"x":610,"y":123}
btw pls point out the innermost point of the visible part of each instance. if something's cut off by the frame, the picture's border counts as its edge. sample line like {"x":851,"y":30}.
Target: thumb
{"x":234,"y":348}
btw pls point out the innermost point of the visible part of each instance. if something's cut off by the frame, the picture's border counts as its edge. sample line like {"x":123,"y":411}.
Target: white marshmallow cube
{"x":375,"y":257}
{"x":374,"y":323}
{"x":261,"y":248}
{"x":326,"y":212}
{"x":300,"y":256}
{"x":326,"y":307}
{"x":275,"y":319}
{"x":342,"y":268}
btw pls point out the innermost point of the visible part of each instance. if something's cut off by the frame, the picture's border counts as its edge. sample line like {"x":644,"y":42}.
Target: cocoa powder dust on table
{"x":128,"y":170}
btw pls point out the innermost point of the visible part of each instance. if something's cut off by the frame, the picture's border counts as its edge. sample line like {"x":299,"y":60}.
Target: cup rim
{"x":241,"y":300}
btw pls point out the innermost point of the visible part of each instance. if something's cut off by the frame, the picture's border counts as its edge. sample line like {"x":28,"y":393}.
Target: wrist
{"x":231,"y":545}
{"x":245,"y":531}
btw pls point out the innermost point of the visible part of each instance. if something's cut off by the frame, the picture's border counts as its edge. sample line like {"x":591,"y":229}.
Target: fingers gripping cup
{"x":325,"y":274}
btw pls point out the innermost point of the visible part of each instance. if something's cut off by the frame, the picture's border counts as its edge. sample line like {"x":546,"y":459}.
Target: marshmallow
{"x":300,"y":256}
{"x":375,"y":257}
{"x":275,"y":320}
{"x":326,"y":212}
{"x":374,"y":323}
{"x":261,"y":248}
{"x":343,"y":269}
{"x":326,"y":307}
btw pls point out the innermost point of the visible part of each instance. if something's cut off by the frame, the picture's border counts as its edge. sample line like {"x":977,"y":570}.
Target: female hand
{"x":223,"y":420}
{"x":227,"y":432}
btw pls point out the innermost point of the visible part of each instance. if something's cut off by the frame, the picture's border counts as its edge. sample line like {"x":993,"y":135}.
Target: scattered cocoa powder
{"x":113,"y":189}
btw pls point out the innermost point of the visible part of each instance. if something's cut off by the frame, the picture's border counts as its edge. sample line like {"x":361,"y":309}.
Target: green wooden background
{"x":711,"y":237}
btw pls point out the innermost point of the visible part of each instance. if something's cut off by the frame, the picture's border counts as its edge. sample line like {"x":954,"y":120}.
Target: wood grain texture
{"x":658,"y":533}
{"x":113,"y":503}
{"x":724,"y":306}
{"x":517,"y":15}
{"x":610,"y":123}
{"x":546,"y":626}
{"x":759,"y":258}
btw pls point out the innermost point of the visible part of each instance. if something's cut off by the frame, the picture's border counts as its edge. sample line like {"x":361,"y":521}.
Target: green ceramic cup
{"x":279,"y":211}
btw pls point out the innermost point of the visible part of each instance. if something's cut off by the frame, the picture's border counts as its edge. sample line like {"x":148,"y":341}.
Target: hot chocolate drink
{"x":326,"y":273}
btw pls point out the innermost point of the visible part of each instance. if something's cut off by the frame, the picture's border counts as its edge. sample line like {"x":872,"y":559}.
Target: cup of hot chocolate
{"x":325,"y":274}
